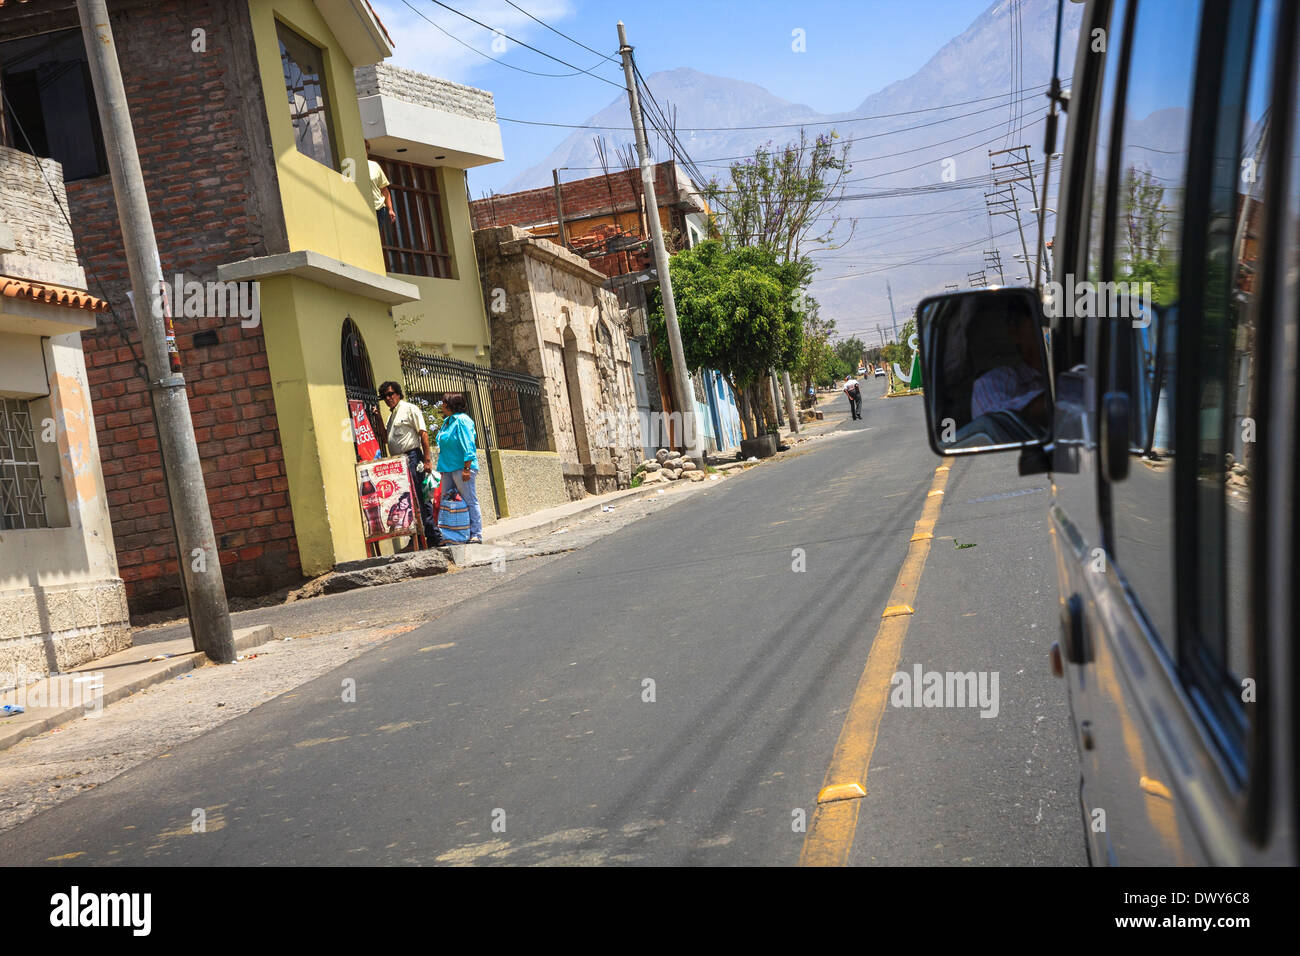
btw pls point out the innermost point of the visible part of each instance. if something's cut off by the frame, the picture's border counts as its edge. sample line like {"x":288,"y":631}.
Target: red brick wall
{"x":582,"y":198}
{"x":195,"y":150}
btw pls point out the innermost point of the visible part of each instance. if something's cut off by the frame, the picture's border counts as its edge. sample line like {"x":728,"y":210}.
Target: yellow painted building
{"x":328,"y":292}
{"x":425,"y":132}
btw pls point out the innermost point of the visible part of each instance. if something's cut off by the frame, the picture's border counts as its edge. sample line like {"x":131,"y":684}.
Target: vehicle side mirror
{"x":986,"y":371}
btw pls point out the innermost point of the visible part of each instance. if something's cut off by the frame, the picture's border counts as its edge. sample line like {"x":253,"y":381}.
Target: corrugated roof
{"x":54,"y":294}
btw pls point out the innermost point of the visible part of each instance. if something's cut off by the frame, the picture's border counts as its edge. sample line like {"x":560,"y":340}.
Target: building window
{"x":22,"y":505}
{"x":417,"y":245}
{"x":49,"y":102}
{"x":304,"y":82}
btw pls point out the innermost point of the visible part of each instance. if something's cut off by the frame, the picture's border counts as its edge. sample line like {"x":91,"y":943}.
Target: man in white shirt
{"x":407,"y":434}
{"x":854,"y":392}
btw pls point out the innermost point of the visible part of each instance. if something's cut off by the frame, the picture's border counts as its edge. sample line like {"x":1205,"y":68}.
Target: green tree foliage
{"x":817,"y":361}
{"x":1144,"y":216}
{"x":737,"y":312}
{"x":850,"y":351}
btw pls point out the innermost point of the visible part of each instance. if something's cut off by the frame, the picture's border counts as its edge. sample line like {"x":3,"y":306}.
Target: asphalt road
{"x":518,"y":727}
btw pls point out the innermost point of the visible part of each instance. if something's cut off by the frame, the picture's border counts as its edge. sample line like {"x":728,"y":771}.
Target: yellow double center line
{"x":834,"y":822}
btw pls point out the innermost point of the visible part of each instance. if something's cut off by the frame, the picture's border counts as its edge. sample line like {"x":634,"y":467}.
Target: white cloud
{"x":418,"y":45}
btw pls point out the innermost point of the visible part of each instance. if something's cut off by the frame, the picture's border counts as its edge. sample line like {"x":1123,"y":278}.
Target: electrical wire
{"x":486,"y":56}
{"x":838,"y":122}
{"x":856,"y":139}
{"x":559,"y":32}
{"x":527,"y":46}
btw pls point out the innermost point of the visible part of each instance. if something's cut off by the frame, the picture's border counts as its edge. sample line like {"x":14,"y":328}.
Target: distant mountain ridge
{"x":898,"y":152}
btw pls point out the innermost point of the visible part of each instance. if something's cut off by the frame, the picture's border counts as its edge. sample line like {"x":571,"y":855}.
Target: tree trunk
{"x":746,"y":425}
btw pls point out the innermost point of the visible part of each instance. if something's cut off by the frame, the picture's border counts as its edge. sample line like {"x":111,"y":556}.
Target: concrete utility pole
{"x":681,"y":378}
{"x":200,"y":562}
{"x":891,"y":309}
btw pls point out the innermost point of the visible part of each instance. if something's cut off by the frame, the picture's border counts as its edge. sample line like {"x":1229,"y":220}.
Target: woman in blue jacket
{"x":458,"y":460}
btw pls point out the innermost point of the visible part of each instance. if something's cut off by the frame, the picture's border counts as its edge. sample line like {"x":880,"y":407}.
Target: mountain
{"x":919,"y":153}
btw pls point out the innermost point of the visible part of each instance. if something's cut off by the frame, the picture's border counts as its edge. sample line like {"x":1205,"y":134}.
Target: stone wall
{"x":423,"y":90}
{"x":562,"y":326}
{"x":51,"y":629}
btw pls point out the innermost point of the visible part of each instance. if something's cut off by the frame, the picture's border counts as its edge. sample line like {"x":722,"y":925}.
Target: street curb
{"x":548,"y":526}
{"x":245,"y":639}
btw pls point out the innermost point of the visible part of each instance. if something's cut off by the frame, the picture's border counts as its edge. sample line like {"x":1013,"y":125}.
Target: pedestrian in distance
{"x":854,"y":392}
{"x":458,"y":460}
{"x":407,"y":434}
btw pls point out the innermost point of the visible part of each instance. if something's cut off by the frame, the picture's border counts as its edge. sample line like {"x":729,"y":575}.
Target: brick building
{"x":231,"y":200}
{"x":604,"y":217}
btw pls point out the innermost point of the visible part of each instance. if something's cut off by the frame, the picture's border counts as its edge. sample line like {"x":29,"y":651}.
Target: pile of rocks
{"x":668,"y":466}
{"x":1236,"y":475}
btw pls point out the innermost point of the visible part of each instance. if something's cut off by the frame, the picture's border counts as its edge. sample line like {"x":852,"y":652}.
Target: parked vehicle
{"x":1163,"y":404}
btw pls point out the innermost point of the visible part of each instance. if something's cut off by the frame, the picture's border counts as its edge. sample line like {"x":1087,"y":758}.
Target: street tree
{"x":850,"y":352}
{"x":737,"y":312}
{"x":817,"y":361}
{"x":786,"y":199}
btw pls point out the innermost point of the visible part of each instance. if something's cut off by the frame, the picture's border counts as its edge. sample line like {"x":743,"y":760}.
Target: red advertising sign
{"x":364,"y":435}
{"x":387,"y":507}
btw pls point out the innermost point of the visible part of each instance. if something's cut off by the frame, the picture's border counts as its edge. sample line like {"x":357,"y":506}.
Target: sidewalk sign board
{"x":390,"y":506}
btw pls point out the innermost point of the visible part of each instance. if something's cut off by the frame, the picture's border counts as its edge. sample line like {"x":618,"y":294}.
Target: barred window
{"x":417,"y":244}
{"x":22,"y":505}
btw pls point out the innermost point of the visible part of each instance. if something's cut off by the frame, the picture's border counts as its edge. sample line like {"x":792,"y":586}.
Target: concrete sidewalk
{"x":87,"y":690}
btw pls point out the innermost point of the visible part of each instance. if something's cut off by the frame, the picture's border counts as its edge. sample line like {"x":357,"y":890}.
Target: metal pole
{"x":685,"y":400}
{"x":200,"y":562}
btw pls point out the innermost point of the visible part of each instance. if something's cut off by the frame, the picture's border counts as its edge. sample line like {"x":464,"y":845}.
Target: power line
{"x":857,"y":139}
{"x":898,"y":265}
{"x":837,"y":122}
{"x":486,"y":56}
{"x":528,"y":46}
{"x":560,"y":32}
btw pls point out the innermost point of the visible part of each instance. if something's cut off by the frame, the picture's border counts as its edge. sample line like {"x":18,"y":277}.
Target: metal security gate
{"x":506,"y":406}
{"x":358,"y":379}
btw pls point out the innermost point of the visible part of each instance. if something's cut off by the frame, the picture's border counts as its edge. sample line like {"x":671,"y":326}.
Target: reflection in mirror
{"x":988,"y":383}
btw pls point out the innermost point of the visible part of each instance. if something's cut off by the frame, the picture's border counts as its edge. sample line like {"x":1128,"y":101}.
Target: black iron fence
{"x":506,"y":406}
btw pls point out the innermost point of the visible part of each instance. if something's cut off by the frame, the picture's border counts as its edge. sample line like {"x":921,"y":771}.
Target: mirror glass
{"x":986,"y":371}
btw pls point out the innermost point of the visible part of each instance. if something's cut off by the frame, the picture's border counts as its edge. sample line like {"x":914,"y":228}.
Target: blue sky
{"x":851,"y":50}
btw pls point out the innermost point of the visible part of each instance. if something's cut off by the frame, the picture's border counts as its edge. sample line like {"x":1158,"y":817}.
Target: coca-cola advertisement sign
{"x":384,"y":490}
{"x":364,"y":435}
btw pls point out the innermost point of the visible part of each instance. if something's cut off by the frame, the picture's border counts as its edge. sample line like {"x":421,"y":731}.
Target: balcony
{"x":421,"y":119}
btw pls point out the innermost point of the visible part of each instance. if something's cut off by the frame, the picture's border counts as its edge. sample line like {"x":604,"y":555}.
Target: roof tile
{"x":54,"y":294}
